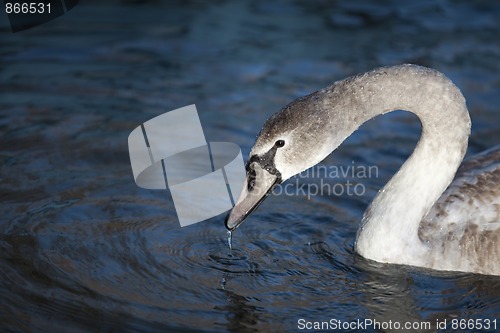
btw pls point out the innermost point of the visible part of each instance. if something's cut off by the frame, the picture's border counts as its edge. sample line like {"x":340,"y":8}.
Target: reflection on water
{"x":83,"y":249}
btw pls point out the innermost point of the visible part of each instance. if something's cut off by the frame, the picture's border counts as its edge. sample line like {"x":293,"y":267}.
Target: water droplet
{"x":230,"y":240}
{"x":223,"y":283}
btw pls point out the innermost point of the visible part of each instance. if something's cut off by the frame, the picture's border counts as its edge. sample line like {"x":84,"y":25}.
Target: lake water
{"x":83,"y":249}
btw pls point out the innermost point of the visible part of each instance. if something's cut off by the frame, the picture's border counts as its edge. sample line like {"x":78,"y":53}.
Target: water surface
{"x":83,"y":249}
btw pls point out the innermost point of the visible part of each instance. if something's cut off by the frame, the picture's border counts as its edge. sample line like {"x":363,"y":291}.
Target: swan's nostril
{"x":252,"y":175}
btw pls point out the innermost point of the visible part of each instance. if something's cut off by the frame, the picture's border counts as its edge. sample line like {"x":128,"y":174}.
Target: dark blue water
{"x":83,"y":249}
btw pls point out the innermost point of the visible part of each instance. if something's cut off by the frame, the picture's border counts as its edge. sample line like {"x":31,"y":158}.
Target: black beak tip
{"x":226,"y":220}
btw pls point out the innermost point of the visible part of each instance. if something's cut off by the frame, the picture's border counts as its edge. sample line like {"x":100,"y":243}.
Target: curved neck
{"x":390,"y":225}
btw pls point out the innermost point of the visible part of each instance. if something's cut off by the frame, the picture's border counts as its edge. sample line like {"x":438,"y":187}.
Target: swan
{"x":420,"y":217}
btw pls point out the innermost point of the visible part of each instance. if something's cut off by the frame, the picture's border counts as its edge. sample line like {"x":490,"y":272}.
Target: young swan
{"x":411,"y":221}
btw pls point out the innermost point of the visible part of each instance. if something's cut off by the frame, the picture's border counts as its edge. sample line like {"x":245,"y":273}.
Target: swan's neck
{"x":389,"y":230}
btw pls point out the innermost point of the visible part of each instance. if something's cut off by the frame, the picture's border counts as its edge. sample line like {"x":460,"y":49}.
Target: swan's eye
{"x":279,"y":143}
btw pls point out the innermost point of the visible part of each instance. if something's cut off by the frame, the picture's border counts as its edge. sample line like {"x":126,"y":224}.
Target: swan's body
{"x":411,"y":221}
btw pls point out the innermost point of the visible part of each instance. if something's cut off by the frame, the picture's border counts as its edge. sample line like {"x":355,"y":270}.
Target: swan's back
{"x":463,"y":227}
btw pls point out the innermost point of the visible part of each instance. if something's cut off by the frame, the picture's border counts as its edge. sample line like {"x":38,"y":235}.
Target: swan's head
{"x":290,"y":142}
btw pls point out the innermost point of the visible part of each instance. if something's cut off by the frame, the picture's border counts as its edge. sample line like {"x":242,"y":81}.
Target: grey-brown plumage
{"x":464,"y":224}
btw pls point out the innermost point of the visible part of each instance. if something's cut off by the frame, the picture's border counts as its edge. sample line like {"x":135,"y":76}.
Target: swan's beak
{"x":258,"y":185}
